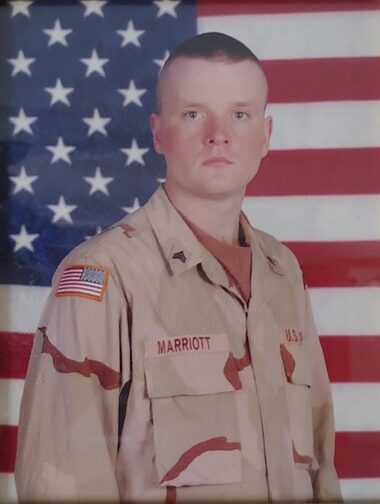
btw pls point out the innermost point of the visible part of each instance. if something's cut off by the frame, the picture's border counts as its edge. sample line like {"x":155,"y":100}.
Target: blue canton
{"x":76,"y":91}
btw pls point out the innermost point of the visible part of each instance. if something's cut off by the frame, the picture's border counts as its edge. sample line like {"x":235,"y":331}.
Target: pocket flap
{"x":186,"y":365}
{"x":296,"y":365}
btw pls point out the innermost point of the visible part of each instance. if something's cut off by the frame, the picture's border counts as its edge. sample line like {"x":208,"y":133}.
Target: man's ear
{"x":268,"y":127}
{"x":155,"y":126}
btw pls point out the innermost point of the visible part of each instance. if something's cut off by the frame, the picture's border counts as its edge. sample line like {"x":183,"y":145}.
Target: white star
{"x":60,"y":151}
{"x":20,"y":7}
{"x":57,"y":34}
{"x":132,"y":94}
{"x":24,"y":239}
{"x":135,"y":153}
{"x":21,"y":64}
{"x":93,"y":7}
{"x":135,"y":206}
{"x":62,"y":210}
{"x":22,"y":122}
{"x":161,"y":62}
{"x":96,"y":123}
{"x":130,"y":35}
{"x":59,"y":93}
{"x":98,"y":182}
{"x":94,"y":64}
{"x":167,"y":7}
{"x":23,"y":181}
{"x":161,"y":180}
{"x":98,"y":230}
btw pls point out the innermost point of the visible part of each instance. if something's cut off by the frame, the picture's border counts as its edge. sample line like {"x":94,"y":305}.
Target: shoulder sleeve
{"x":68,"y":428}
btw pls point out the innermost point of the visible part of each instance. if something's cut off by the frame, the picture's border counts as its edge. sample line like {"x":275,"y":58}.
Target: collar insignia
{"x":179,"y":255}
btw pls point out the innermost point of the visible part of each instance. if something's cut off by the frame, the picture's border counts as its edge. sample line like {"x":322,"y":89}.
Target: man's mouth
{"x":217,"y":160}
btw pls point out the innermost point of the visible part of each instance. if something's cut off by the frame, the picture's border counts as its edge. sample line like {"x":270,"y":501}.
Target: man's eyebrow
{"x":245,"y":103}
{"x":185,"y":103}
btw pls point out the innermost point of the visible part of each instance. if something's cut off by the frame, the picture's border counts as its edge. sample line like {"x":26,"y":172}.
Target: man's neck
{"x":218,"y":218}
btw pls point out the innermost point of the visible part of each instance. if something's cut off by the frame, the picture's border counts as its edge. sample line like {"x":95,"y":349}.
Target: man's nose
{"x":216,"y":132}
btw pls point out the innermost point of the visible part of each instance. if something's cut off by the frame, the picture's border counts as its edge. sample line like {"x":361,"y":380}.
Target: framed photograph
{"x":77,"y":91}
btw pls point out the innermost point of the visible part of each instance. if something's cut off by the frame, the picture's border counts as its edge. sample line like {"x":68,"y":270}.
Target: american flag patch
{"x":84,"y":281}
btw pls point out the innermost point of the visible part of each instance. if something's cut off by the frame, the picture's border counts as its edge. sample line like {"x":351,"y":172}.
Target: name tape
{"x":186,"y":344}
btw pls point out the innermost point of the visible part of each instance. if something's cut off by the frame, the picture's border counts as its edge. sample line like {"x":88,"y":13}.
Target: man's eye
{"x":193,"y":114}
{"x":241,"y":115}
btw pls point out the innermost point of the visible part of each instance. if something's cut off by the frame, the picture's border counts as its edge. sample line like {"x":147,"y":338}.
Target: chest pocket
{"x":196,"y":435}
{"x":299,"y":383}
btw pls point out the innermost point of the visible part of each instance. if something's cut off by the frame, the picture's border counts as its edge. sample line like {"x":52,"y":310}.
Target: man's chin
{"x":218,"y":191}
{"x":216,"y":188}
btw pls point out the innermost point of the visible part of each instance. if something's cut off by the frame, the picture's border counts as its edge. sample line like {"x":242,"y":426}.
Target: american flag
{"x":76,"y":91}
{"x":83,"y":281}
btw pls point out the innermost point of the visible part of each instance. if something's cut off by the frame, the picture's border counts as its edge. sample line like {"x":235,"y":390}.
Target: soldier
{"x":176,"y":359}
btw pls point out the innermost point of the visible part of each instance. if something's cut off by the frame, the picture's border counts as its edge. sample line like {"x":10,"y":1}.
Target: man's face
{"x":211,"y":129}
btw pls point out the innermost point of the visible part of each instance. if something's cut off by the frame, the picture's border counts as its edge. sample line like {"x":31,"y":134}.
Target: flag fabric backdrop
{"x":76,"y":91}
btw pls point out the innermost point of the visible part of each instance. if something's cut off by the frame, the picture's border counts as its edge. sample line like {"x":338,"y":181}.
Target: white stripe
{"x":338,"y":311}
{"x":342,"y":124}
{"x":21,"y":306}
{"x":316,"y":218}
{"x":10,"y":400}
{"x":356,"y":406}
{"x":302,"y":35}
{"x":8,"y":492}
{"x":347,"y":311}
{"x":361,"y":489}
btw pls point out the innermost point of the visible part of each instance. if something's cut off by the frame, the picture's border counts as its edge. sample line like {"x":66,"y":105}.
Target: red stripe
{"x":358,"y":454}
{"x":339,"y":264}
{"x":15,"y":350}
{"x":229,"y":7}
{"x":318,"y":172}
{"x":8,"y":443}
{"x":352,"y":358}
{"x":330,"y":79}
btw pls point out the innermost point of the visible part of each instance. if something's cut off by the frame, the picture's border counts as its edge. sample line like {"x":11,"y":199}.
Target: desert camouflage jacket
{"x":151,"y":379}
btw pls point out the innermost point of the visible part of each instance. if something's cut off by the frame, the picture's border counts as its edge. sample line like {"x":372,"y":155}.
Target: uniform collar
{"x":180,"y":248}
{"x":183,"y":251}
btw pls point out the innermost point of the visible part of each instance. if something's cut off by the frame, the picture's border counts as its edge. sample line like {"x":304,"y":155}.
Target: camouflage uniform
{"x":160,"y":383}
